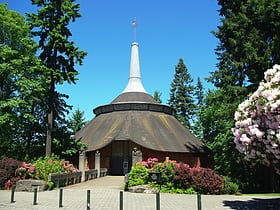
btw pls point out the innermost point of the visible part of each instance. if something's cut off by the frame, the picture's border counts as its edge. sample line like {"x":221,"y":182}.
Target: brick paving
{"x":105,"y":192}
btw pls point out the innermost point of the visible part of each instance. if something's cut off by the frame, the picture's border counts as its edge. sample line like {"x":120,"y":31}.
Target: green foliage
{"x":77,"y":121}
{"x":67,"y":147}
{"x":63,"y":143}
{"x":181,"y":94}
{"x":229,"y":187}
{"x":157,"y":96}
{"x":57,"y":53}
{"x":217,"y":118}
{"x":199,"y":92}
{"x":51,"y":185}
{"x":166,"y":170}
{"x":138,"y":175}
{"x":248,"y":45}
{"x":248,"y":42}
{"x":190,"y":190}
{"x":46,"y":165}
{"x":22,"y":87}
{"x":177,"y":178}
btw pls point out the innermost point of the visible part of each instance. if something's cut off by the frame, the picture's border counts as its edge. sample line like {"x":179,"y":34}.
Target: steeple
{"x":134,"y":81}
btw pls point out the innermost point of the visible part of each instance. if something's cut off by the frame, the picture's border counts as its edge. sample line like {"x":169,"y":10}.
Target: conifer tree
{"x":157,"y":96}
{"x":181,"y":94}
{"x":248,"y":42}
{"x":199,"y":92}
{"x":58,"y":53}
{"x":197,"y":128}
{"x":77,"y":121}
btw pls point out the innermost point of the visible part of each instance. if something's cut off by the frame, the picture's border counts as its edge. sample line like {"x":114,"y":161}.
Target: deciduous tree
{"x":22,"y":87}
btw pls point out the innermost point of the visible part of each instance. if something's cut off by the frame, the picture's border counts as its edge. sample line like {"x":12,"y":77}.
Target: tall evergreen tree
{"x":77,"y":121}
{"x":197,"y":128}
{"x":249,"y":41}
{"x":58,"y":53}
{"x":199,"y":92}
{"x":181,"y":94}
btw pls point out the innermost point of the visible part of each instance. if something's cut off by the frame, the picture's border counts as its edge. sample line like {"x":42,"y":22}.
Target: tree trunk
{"x":50,"y":119}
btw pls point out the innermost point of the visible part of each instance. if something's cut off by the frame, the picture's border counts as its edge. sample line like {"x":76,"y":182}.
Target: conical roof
{"x":136,"y":116}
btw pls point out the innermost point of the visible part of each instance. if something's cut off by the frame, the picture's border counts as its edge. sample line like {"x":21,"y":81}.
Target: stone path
{"x":105,"y":192}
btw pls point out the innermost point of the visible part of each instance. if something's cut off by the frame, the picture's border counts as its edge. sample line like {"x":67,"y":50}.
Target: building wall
{"x":106,"y":156}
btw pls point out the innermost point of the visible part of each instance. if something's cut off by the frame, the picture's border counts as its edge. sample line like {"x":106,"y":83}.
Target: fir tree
{"x":181,"y":94}
{"x":58,"y":53}
{"x":199,"y":92}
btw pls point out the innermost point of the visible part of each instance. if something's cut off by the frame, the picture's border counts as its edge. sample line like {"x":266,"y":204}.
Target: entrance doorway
{"x":119,"y":158}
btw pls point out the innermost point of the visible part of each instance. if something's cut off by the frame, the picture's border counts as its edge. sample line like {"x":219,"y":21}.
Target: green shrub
{"x":46,"y":165}
{"x":166,"y":170}
{"x":138,"y":175}
{"x":178,"y":177}
{"x":229,"y":186}
{"x":190,"y":190}
{"x":51,"y":185}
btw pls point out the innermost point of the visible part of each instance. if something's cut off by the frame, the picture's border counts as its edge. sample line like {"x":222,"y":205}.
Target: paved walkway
{"x":105,"y":192}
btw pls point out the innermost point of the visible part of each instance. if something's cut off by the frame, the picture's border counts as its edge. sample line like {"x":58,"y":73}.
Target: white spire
{"x":134,"y":81}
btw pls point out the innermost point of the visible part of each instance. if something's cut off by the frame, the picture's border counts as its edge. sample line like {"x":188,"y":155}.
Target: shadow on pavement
{"x":255,"y":204}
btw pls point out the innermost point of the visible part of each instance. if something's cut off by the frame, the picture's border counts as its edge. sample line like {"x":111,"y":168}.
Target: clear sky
{"x":167,"y":30}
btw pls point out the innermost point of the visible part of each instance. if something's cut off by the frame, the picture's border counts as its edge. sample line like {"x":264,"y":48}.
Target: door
{"x":119,"y":158}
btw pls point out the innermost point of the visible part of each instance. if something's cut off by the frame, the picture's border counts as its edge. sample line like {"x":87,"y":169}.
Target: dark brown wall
{"x":193,"y":159}
{"x":105,"y":155}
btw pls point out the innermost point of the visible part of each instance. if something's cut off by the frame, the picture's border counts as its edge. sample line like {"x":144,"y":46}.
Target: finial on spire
{"x":134,"y":23}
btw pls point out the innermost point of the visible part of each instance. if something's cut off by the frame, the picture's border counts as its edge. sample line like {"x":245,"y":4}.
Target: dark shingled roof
{"x":134,"y":97}
{"x":139,"y":118}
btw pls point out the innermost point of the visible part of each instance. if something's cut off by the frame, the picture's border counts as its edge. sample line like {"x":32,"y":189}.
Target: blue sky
{"x":167,"y":30}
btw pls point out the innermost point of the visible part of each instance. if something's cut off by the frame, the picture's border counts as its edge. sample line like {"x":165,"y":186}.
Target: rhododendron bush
{"x":177,"y":177}
{"x":12,"y":170}
{"x":257,"y":126}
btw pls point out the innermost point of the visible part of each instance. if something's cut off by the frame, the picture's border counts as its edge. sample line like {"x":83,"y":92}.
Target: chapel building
{"x":134,"y":127}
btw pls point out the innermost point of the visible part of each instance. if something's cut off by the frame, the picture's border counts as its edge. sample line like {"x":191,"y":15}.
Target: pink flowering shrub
{"x":257,"y":126}
{"x":69,"y":167}
{"x":12,"y":170}
{"x":150,"y":162}
{"x":25,"y":171}
{"x":177,"y":177}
